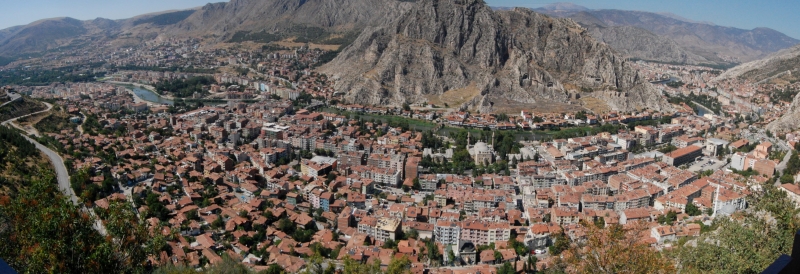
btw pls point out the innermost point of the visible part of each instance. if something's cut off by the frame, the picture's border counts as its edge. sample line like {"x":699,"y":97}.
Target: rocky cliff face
{"x":784,"y":65}
{"x":781,"y":68}
{"x":789,"y":121}
{"x":269,"y":15}
{"x":463,"y":49}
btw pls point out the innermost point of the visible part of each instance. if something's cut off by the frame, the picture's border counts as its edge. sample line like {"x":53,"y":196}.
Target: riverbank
{"x":131,"y":89}
{"x":702,"y":110}
{"x":147,"y":87}
{"x":137,"y":99}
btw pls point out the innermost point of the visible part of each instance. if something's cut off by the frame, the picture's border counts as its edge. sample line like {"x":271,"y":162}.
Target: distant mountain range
{"x":245,"y":20}
{"x":662,"y":37}
{"x":666,"y":37}
{"x":226,"y":19}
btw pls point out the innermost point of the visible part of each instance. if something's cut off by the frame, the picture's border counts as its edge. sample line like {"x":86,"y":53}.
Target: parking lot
{"x":707,"y":163}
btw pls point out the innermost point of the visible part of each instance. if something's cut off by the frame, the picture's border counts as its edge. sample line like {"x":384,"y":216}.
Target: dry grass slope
{"x":595,"y":105}
{"x":455,"y":97}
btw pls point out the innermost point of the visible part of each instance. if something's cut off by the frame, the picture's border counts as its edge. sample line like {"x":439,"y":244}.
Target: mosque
{"x":482,"y":153}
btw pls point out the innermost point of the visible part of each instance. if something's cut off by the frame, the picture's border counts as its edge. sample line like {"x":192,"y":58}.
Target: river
{"x":702,"y":110}
{"x":150,"y":96}
{"x":671,"y":79}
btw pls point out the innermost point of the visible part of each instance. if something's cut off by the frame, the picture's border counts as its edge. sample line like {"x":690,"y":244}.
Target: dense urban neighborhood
{"x":185,"y":154}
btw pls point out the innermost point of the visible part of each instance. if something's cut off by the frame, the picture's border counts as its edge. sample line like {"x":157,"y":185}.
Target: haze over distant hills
{"x":670,"y":38}
{"x":250,"y":19}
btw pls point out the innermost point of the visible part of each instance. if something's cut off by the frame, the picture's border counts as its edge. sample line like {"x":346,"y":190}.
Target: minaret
{"x":467,"y":138}
{"x":492,"y":139}
{"x":716,"y":200}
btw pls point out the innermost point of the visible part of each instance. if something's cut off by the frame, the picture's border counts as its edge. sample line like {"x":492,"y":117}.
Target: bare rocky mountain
{"x":464,"y":53}
{"x":41,"y":35}
{"x":715,"y":43}
{"x":5,"y":33}
{"x":53,"y":33}
{"x":318,"y":19}
{"x":225,"y":19}
{"x":789,"y":121}
{"x":781,"y":68}
{"x":561,"y":9}
{"x":681,"y":40}
{"x":638,"y":43}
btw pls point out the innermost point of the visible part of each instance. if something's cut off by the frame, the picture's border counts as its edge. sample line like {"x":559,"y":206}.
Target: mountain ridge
{"x":224,"y":19}
{"x":671,"y":39}
{"x":501,"y":56}
{"x":715,"y":44}
{"x":781,"y":69}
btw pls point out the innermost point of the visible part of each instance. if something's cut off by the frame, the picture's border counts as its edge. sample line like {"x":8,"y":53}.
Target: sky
{"x":781,"y":15}
{"x":22,"y":12}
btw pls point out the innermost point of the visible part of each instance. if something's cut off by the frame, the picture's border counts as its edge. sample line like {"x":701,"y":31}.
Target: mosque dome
{"x":481,"y":147}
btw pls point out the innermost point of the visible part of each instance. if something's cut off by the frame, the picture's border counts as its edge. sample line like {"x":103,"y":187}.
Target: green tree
{"x":600,"y":222}
{"x":747,"y":244}
{"x":412,"y":234}
{"x":398,"y":266}
{"x":692,"y":209}
{"x":669,"y":218}
{"x":498,"y":257}
{"x":506,"y":268}
{"x":519,"y":247}
{"x":433,"y":253}
{"x":389,"y":244}
{"x":218,"y":222}
{"x":559,"y":245}
{"x":530,"y":264}
{"x":286,"y":226}
{"x":45,"y":233}
{"x":355,"y":267}
{"x":192,"y":214}
{"x":451,"y":257}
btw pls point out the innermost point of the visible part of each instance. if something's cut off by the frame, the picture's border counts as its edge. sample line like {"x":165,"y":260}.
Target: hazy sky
{"x":782,"y":15}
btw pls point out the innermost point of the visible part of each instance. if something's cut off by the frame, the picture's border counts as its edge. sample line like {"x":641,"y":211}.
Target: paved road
{"x":80,"y":126}
{"x":62,"y":175}
{"x":13,"y":97}
{"x":61,"y":170}
{"x":782,"y":165}
{"x":33,"y":131}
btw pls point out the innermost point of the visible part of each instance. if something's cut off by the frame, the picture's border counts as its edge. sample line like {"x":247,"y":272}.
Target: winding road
{"x":62,"y":175}
{"x":13,"y":97}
